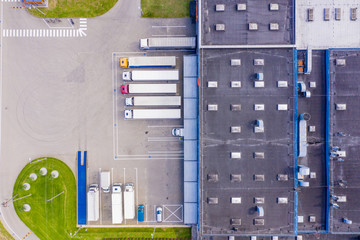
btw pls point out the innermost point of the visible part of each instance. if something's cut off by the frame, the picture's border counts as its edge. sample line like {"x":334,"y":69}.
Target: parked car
{"x":177,"y":132}
{"x":141,"y":213}
{"x":159,"y":211}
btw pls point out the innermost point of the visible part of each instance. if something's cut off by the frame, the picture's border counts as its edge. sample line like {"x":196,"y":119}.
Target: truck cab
{"x":141,"y":213}
{"x":129,"y":101}
{"x":126,"y":76}
{"x":124,"y":89}
{"x":124,"y":62}
{"x":128,"y":114}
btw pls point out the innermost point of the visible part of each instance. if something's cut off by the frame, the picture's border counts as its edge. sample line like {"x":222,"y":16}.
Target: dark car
{"x":72,"y":22}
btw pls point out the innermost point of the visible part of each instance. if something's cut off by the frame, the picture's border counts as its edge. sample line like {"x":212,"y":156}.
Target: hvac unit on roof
{"x":235,"y":155}
{"x":213,"y":177}
{"x":235,"y":177}
{"x":212,"y":200}
{"x":212,"y":107}
{"x":274,"y":7}
{"x":220,"y":7}
{"x":340,"y":106}
{"x":220,"y":27}
{"x":212,"y":84}
{"x":259,"y":221}
{"x":282,"y":107}
{"x":312,"y":219}
{"x":259,"y":155}
{"x":241,"y":7}
{"x":235,"y":107}
{"x":259,"y":200}
{"x":260,"y":211}
{"x":259,"y":107}
{"x":274,"y":26}
{"x":282,"y":200}
{"x":235,"y":221}
{"x":282,"y":84}
{"x":235,"y":129}
{"x":259,"y":84}
{"x":259,"y":177}
{"x":310,"y":14}
{"x":337,"y":14}
{"x":259,"y":62}
{"x":340,"y":62}
{"x":253,"y":26}
{"x":235,"y":62}
{"x":326,"y":14}
{"x":235,"y":84}
{"x":259,"y":126}
{"x":282,"y":177}
{"x":353,"y":16}
{"x":236,"y":200}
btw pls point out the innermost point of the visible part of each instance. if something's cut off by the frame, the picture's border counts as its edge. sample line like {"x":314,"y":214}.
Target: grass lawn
{"x":4,"y":235}
{"x":56,"y":219}
{"x":165,"y":8}
{"x":74,"y":8}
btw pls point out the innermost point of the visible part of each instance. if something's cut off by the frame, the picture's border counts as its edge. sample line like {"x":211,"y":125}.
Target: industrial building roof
{"x":246,"y":22}
{"x":239,"y":164}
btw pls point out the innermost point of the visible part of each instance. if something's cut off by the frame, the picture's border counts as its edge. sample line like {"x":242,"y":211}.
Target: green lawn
{"x":165,"y":8}
{"x":56,"y":219}
{"x":74,"y":8}
{"x":4,"y":235}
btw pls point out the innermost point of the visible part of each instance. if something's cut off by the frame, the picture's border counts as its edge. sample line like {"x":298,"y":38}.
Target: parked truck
{"x":168,"y":75}
{"x":153,"y":114}
{"x":105,"y":181}
{"x":129,"y":201}
{"x":93,"y":203}
{"x":116,"y":202}
{"x":136,"y":62}
{"x":153,"y":101}
{"x":148,"y":88}
{"x":168,"y":43}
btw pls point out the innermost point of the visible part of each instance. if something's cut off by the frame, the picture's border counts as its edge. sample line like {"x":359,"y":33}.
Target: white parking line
{"x":164,"y":26}
{"x":169,"y":35}
{"x":137,"y":190}
{"x":100,"y":199}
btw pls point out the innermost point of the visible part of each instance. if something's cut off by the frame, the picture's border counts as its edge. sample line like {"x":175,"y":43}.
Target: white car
{"x":177,"y":132}
{"x":159,"y":211}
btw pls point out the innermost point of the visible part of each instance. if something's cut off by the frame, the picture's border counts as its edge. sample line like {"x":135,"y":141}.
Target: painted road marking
{"x":44,"y":33}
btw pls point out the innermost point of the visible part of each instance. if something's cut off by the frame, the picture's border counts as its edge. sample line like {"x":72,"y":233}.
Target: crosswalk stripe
{"x":43,"y":32}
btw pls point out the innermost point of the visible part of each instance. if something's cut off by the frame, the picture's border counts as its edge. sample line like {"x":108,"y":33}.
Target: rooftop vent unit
{"x":212,"y":84}
{"x":253,"y":238}
{"x":259,"y":222}
{"x":259,"y":84}
{"x":326,"y":14}
{"x":236,"y":155}
{"x":259,"y":177}
{"x":304,"y":184}
{"x":235,"y":62}
{"x":212,"y":107}
{"x":282,"y":107}
{"x":241,"y":7}
{"x":259,"y":155}
{"x":212,"y":200}
{"x":274,"y":27}
{"x":220,"y":7}
{"x":353,"y":16}
{"x":337,"y":14}
{"x":235,"y":177}
{"x":213,"y":177}
{"x":259,"y":126}
{"x":259,"y":200}
{"x":310,"y":14}
{"x":340,"y":62}
{"x":259,"y":62}
{"x":235,"y":107}
{"x":235,"y":84}
{"x":220,"y":27}
{"x":312,"y":84}
{"x":282,"y":177}
{"x":235,"y":221}
{"x":236,"y":200}
{"x":274,"y":238}
{"x":259,"y":76}
{"x":253,"y":26}
{"x":260,"y":211}
{"x":282,"y":84}
{"x":259,"y":107}
{"x":312,"y":219}
{"x":340,"y":106}
{"x":274,"y":7}
{"x":282,"y":200}
{"x":235,"y":129}
{"x":347,"y":221}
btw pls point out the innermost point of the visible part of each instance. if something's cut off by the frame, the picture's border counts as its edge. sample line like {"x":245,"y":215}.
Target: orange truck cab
{"x":124,"y":62}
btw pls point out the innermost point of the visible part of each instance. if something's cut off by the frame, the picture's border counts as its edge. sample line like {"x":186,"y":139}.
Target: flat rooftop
{"x":236,"y":22}
{"x":339,"y":30}
{"x":345,"y":134}
{"x":246,"y":164}
{"x":312,"y":199}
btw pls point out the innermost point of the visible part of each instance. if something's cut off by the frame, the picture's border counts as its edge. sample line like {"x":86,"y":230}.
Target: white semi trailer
{"x":144,"y":61}
{"x":153,"y":101}
{"x":116,"y":202}
{"x":148,"y":88}
{"x":129,"y":201}
{"x":168,"y":43}
{"x":161,"y":75}
{"x":93,"y":203}
{"x":153,"y":114}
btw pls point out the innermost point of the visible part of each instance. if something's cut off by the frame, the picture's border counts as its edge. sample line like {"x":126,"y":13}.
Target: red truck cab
{"x":124,"y":89}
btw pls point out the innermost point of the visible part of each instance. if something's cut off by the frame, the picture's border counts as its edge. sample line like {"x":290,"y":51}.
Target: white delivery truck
{"x":105,"y":181}
{"x":153,"y":101}
{"x":168,"y":43}
{"x":153,"y":114}
{"x":136,"y":62}
{"x":162,"y":75}
{"x":116,"y":202}
{"x":148,"y":88}
{"x":93,"y":203}
{"x":129,"y":201}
